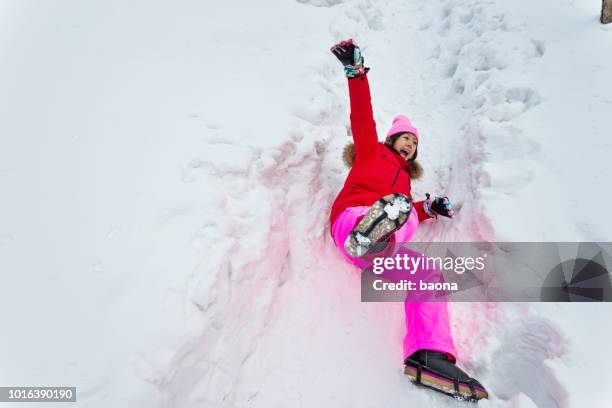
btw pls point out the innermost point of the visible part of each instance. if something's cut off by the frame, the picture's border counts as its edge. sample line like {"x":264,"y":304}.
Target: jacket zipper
{"x":395,"y":178}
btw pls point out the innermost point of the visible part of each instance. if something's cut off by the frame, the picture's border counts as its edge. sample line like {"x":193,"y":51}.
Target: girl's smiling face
{"x":405,"y":144}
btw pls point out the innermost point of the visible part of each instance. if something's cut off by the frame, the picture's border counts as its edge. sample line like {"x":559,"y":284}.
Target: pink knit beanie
{"x":401,"y":124}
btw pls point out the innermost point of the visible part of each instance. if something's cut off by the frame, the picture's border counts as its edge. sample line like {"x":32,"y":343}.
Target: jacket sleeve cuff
{"x":418,"y":206}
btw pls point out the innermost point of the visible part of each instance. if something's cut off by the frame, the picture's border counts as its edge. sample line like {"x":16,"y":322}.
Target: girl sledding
{"x":375,"y":207}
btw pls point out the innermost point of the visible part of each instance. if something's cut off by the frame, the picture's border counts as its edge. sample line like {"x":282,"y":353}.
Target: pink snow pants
{"x":427,"y":325}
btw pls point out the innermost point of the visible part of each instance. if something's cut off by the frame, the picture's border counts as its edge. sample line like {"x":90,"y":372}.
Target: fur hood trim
{"x":348,"y":156}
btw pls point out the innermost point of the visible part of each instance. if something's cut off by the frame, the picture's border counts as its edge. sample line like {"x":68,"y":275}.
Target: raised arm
{"x":362,"y":119}
{"x":363,"y":125}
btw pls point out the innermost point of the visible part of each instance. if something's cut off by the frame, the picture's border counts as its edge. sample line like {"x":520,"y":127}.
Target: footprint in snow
{"x":520,"y":364}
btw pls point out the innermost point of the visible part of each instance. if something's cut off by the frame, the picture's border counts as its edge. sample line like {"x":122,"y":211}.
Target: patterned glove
{"x":438,"y":206}
{"x":349,"y":54}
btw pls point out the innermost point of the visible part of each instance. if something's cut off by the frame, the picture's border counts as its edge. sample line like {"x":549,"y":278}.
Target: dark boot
{"x":437,"y":371}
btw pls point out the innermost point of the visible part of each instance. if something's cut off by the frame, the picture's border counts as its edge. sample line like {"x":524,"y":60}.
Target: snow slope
{"x":167,"y":171}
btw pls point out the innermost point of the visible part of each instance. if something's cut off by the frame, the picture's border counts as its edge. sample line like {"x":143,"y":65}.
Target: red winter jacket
{"x":377,"y":169}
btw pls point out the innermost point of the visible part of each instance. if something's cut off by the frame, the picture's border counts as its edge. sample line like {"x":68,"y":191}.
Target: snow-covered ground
{"x":167,"y":170}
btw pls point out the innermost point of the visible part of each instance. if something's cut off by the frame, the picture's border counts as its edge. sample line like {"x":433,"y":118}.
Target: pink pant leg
{"x":347,"y":220}
{"x":427,"y":324}
{"x":427,"y":327}
{"x":341,"y":229}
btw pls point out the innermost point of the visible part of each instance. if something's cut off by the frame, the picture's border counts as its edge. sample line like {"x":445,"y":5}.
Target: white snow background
{"x":167,"y":169}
